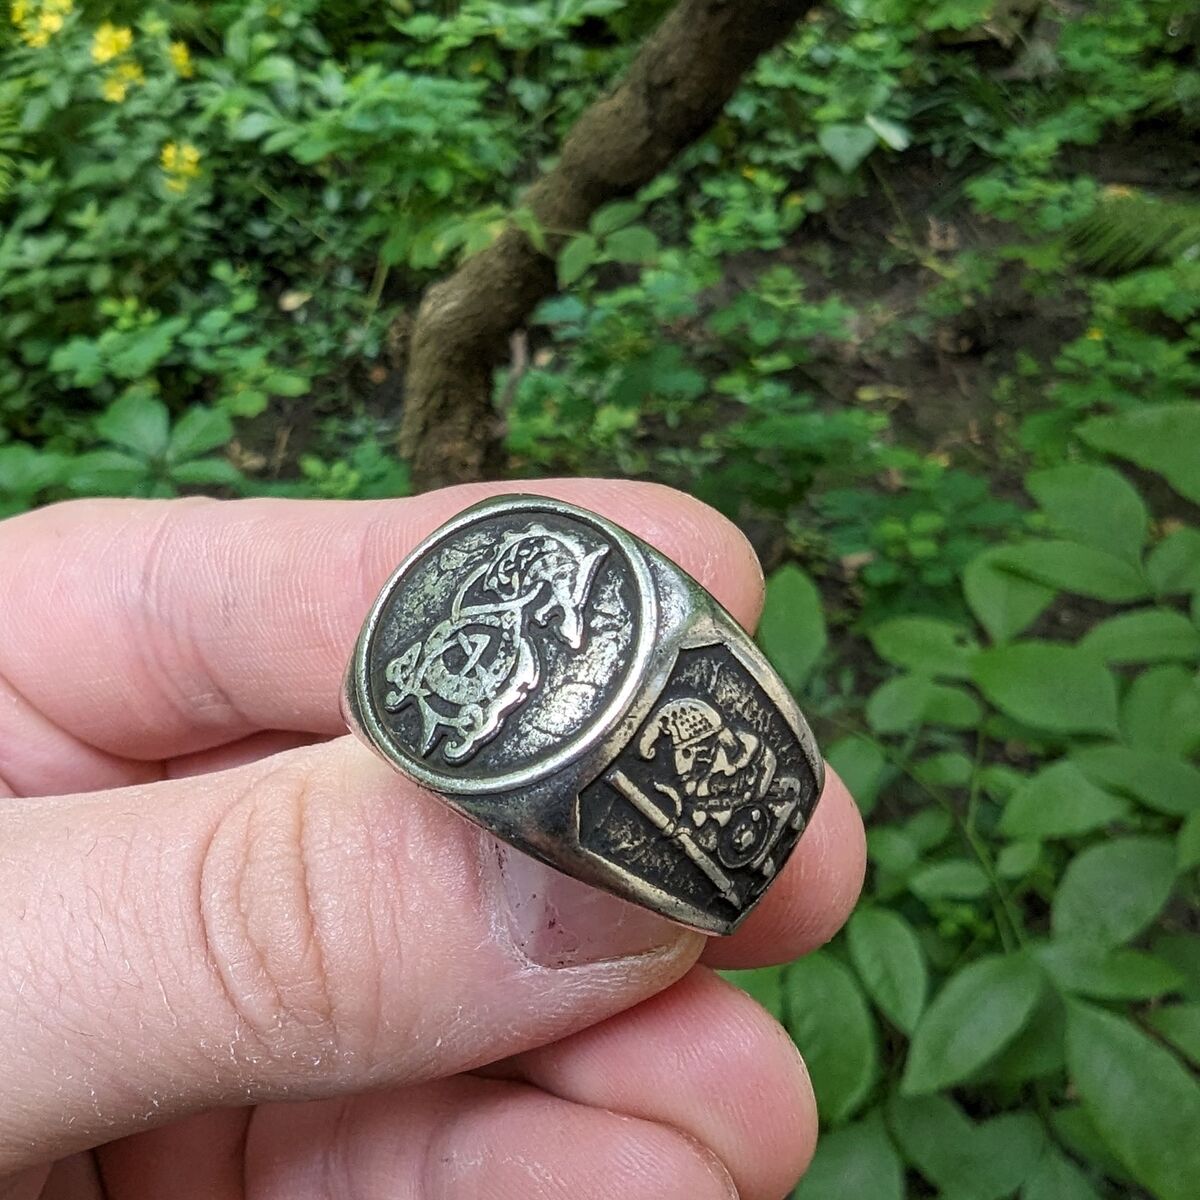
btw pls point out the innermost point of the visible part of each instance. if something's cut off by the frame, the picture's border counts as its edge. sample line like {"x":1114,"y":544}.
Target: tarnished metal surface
{"x":562,"y":684}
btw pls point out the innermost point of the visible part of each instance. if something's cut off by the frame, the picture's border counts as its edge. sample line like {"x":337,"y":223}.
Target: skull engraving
{"x":726,"y":797}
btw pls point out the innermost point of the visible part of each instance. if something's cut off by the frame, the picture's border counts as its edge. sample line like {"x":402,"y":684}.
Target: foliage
{"x":922,"y":312}
{"x":1033,"y":855}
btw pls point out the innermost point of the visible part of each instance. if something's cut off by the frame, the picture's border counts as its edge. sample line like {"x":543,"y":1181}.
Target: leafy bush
{"x":1026,"y":945}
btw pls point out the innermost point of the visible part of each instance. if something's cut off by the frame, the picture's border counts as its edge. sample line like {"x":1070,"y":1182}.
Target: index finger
{"x":150,"y":629}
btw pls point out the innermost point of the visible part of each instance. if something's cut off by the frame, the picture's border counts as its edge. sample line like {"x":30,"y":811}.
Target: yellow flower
{"x":114,"y":90}
{"x":181,"y":59}
{"x":1095,"y":335}
{"x":181,"y":163}
{"x":110,"y":41}
{"x":37,"y":21}
{"x":120,"y":79}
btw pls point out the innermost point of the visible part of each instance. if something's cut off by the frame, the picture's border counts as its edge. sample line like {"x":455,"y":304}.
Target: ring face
{"x":573,"y":691}
{"x":707,"y":799}
{"x":505,"y":644}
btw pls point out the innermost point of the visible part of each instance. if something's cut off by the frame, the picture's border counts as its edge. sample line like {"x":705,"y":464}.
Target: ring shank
{"x":693,"y":781}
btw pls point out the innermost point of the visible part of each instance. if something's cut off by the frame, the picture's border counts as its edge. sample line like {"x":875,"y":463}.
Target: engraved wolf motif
{"x":481,"y":662}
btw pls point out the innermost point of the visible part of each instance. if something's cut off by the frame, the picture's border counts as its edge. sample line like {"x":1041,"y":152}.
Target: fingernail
{"x":556,"y":921}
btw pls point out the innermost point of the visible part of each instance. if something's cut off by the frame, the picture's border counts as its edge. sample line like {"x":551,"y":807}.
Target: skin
{"x":240,"y":957}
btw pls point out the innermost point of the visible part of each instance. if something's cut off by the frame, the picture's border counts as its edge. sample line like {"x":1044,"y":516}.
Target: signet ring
{"x":567,"y":687}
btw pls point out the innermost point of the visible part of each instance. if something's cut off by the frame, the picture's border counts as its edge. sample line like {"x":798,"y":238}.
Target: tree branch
{"x":674,"y":90}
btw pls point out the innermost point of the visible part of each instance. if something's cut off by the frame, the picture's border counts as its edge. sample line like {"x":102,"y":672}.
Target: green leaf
{"x":847,"y":145}
{"x":136,"y":422}
{"x":891,"y":133}
{"x":1160,"y":437}
{"x":899,"y":703}
{"x":1060,"y":801}
{"x":577,"y":256}
{"x":1094,"y":505}
{"x":615,"y":216}
{"x":1018,"y":859}
{"x":928,"y":828}
{"x":25,"y":471}
{"x":1161,"y":711}
{"x":1057,"y":688}
{"x":792,"y":629}
{"x":1075,"y":1129}
{"x":1173,"y":566}
{"x":1113,"y":890}
{"x":978,"y":1012}
{"x":1038,"y":1051}
{"x":861,"y":765}
{"x":1107,"y":973}
{"x":1144,"y":1103}
{"x":951,"y":707}
{"x":107,"y":473}
{"x":950,"y":768}
{"x":858,"y":1160}
{"x":1003,"y":603}
{"x":1056,"y":1177}
{"x":637,"y":244}
{"x":954,"y":879}
{"x":926,"y":645}
{"x":525,"y":219}
{"x":1182,"y":951}
{"x":143,"y":349}
{"x":829,"y":1020}
{"x":253,"y":125}
{"x":198,"y":431}
{"x":1150,"y":635}
{"x":208,"y":472}
{"x":1072,"y":567}
{"x":888,"y":958}
{"x":81,"y":359}
{"x":1162,"y":782}
{"x":965,"y":1161}
{"x":1180,"y":1025}
{"x":907,"y":701}
{"x":765,"y":984}
{"x":891,"y":849}
{"x":1188,"y":844}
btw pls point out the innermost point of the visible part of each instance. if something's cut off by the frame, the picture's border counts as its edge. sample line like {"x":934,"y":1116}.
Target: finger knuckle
{"x":287,"y":908}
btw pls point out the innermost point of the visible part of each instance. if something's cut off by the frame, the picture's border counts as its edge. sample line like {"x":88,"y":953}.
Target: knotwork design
{"x":481,"y":662}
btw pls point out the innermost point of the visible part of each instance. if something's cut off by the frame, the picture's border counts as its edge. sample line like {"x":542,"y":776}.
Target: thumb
{"x":307,"y":925}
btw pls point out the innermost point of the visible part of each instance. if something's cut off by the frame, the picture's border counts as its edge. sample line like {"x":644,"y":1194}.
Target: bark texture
{"x":674,"y":90}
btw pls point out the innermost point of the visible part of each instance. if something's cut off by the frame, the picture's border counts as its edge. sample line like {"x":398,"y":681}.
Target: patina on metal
{"x":565,"y":686}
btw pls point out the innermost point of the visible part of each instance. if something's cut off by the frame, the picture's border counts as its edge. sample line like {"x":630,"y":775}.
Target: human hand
{"x":212,"y":905}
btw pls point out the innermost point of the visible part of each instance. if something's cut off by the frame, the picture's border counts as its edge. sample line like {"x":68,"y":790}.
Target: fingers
{"x":467,"y":1138}
{"x":814,"y":894}
{"x":703,"y":1058}
{"x":155,"y":629}
{"x":307,"y":926}
{"x":646,"y":1104}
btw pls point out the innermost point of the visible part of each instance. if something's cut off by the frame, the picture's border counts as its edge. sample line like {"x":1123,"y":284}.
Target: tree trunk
{"x":675,"y":88}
